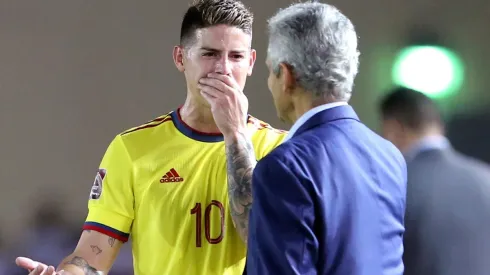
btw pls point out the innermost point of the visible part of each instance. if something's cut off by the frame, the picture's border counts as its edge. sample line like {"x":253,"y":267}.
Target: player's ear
{"x":253,"y":57}
{"x":286,"y":74}
{"x":178,"y":55}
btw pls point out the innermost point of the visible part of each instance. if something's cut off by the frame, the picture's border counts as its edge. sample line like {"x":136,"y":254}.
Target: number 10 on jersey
{"x":197,"y":210}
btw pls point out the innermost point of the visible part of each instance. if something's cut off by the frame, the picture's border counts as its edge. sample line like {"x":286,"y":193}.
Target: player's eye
{"x":209,"y":54}
{"x":237,"y":56}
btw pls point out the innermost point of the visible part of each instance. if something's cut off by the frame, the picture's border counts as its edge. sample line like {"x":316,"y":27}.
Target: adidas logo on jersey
{"x":171,"y":176}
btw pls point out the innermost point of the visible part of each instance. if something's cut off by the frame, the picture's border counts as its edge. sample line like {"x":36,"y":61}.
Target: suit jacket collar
{"x":326,"y":116}
{"x":429,"y":153}
{"x":435,"y":142}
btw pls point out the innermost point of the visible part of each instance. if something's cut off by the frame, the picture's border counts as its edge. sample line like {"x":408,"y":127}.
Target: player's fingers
{"x":38,"y":270}
{"x":210,"y":99}
{"x":228,"y":80}
{"x":217,"y":84}
{"x":26,"y":263}
{"x":211,"y":91}
{"x":48,"y":271}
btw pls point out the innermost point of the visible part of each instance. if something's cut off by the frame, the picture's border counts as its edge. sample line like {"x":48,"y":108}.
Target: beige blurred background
{"x":73,"y":74}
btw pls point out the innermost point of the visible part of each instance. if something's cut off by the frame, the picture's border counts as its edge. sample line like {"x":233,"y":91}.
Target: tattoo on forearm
{"x":83,"y":264}
{"x":112,"y":241}
{"x":241,"y":161}
{"x":96,"y":249}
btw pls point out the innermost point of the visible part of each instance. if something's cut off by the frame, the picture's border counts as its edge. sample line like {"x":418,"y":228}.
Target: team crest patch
{"x":96,"y":190}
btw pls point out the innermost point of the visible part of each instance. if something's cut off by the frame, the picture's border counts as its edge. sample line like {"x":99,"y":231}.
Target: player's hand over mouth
{"x":229,"y":104}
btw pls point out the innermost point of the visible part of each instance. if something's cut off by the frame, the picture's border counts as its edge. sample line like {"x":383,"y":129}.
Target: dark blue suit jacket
{"x":330,"y":200}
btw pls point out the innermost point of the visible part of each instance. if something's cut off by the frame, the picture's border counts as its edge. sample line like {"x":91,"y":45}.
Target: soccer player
{"x":165,"y":182}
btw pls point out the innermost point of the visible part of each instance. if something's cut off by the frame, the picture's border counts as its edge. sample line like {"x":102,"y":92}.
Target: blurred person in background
{"x":4,"y":256}
{"x":49,"y":227}
{"x":167,"y":183}
{"x":448,"y":195}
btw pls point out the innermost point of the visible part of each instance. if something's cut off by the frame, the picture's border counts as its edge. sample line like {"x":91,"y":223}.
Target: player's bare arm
{"x":240,"y":158}
{"x":95,"y":252}
{"x":229,"y":106}
{"x":81,"y":264}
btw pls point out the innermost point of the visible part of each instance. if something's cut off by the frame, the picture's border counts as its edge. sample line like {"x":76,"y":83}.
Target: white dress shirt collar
{"x":310,"y":114}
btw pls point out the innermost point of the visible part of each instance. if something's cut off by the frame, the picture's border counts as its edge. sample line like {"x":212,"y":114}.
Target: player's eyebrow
{"x":239,"y":51}
{"x":209,"y":49}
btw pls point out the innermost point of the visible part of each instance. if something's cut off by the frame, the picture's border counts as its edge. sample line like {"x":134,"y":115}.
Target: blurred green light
{"x":433,"y":70}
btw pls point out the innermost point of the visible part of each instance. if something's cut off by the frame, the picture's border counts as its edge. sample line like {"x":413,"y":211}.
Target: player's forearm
{"x":94,"y":252}
{"x":240,"y":162}
{"x":77,"y":265}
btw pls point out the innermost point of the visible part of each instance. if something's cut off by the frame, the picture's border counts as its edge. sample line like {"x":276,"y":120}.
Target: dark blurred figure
{"x":448,"y":197}
{"x":49,"y":226}
{"x":467,"y":134}
{"x":4,"y":259}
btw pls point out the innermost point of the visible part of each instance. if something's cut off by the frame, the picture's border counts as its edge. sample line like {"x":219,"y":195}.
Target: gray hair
{"x":319,"y":43}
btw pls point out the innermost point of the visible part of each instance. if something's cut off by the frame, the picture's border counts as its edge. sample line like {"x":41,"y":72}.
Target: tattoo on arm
{"x":240,"y":159}
{"x":112,"y":241}
{"x":83,"y":264}
{"x":96,"y":249}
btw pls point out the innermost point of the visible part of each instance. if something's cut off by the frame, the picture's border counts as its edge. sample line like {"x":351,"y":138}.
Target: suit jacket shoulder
{"x":354,"y":177}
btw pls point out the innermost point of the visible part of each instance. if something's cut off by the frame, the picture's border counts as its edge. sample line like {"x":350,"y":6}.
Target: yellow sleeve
{"x":111,"y":202}
{"x":265,"y":140}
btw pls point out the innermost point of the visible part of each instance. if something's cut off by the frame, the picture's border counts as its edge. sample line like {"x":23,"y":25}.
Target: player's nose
{"x":223,"y":66}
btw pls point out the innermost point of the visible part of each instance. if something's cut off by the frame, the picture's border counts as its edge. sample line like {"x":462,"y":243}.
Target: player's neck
{"x":198,"y":116}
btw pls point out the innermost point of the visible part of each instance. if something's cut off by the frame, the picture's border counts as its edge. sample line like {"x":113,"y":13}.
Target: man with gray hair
{"x":331,"y":198}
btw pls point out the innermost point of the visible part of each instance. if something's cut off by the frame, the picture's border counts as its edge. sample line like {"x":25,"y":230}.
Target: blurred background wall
{"x":73,"y":74}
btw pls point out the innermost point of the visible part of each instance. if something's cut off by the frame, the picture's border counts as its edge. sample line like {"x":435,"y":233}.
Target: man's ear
{"x":402,"y":128}
{"x":178,"y":56}
{"x":286,"y":74}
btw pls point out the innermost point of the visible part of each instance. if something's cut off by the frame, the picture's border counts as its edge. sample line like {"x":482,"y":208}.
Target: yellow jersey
{"x":165,"y":184}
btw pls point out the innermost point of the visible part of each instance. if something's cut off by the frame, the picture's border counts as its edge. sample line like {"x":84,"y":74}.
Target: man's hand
{"x":228,"y":103}
{"x":37,"y":268}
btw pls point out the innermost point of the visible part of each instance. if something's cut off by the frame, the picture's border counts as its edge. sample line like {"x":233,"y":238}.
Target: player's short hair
{"x":411,"y":108}
{"x":319,"y":43}
{"x":208,"y":13}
